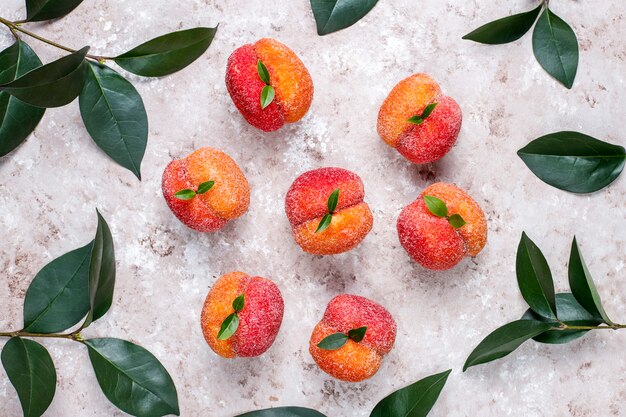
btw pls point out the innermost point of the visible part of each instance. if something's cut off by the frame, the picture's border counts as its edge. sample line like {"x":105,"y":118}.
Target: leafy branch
{"x":75,"y":287}
{"x":111,"y":108}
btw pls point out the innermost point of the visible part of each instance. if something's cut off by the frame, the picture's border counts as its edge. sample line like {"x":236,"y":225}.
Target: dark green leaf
{"x":582,"y":285}
{"x":571,"y":313}
{"x":239,"y":303}
{"x":333,"y":341}
{"x":334,"y":15}
{"x":205,"y":186}
{"x":264,"y":74}
{"x":574,"y":162}
{"x":324,"y":223}
{"x":456,"y":221}
{"x":168,"y":53}
{"x":428,"y":110}
{"x":416,"y":400}
{"x":333,"y":199}
{"x":38,"y":10}
{"x":132,"y":378}
{"x":416,"y":120}
{"x":52,"y":85}
{"x":267,"y":96}
{"x":357,"y":334}
{"x":58,"y":297}
{"x":283,"y":412}
{"x":31,"y":371}
{"x":114,"y":116}
{"x":185,"y":194}
{"x":556,"y":47}
{"x":505,"y":30}
{"x":101,"y":272}
{"x":229,"y":327}
{"x":535,"y":279}
{"x":436,"y":206}
{"x":505,"y":340}
{"x":17,"y":119}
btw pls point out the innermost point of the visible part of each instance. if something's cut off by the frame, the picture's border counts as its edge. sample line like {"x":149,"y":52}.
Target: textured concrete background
{"x":50,"y":187}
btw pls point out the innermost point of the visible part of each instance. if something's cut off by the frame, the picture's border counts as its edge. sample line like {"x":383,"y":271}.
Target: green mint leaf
{"x":264,"y":74}
{"x":185,"y":194}
{"x":416,"y":120}
{"x":357,"y":334}
{"x":436,"y":206}
{"x":505,"y":30}
{"x":239,"y":303}
{"x":205,"y":186}
{"x":332,"y":201}
{"x":267,"y":96}
{"x":324,"y":223}
{"x":229,"y":327}
{"x":333,"y":341}
{"x":456,"y":221}
{"x":428,"y":110}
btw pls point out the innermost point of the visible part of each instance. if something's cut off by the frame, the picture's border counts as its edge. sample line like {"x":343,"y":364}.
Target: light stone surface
{"x":51,"y":186}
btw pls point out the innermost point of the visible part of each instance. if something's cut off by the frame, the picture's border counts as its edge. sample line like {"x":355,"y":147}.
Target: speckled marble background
{"x":51,"y":185}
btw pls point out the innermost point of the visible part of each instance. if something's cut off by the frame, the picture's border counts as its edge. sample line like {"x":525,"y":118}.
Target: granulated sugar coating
{"x":291,"y":81}
{"x":430,"y":140}
{"x":228,"y":199}
{"x":354,"y":361}
{"x":307,"y":202}
{"x":259,"y":321}
{"x":432,"y":241}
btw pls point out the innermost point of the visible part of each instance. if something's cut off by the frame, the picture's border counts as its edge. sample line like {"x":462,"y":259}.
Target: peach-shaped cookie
{"x":419,"y":120}
{"x":352,"y":338}
{"x":442,"y":226}
{"x":242,"y":315}
{"x":206,"y":189}
{"x":326,"y":210}
{"x":269,"y":84}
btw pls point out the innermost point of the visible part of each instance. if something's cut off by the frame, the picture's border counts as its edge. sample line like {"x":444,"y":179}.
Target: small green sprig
{"x":418,"y":120}
{"x":337,"y":340}
{"x":268,"y":92}
{"x":439,"y":209}
{"x":328,"y":217}
{"x":188,"y":194}
{"x":231,"y":323}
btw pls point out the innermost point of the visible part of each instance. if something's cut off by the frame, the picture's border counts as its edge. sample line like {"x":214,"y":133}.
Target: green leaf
{"x":38,"y":10}
{"x":31,"y":371}
{"x":185,"y":194}
{"x":283,"y":412}
{"x":101,"y":272}
{"x":505,"y":30}
{"x":52,"y":85}
{"x":428,"y":110}
{"x":357,"y":334}
{"x":239,"y":303}
{"x":267,"y":96}
{"x":574,"y":162}
{"x":570,"y":313}
{"x":324,"y":223}
{"x":132,"y":378}
{"x":167,"y":54}
{"x":334,"y":15}
{"x":416,"y":120}
{"x":416,"y":400}
{"x":333,"y":341}
{"x":264,"y":74}
{"x":333,"y":199}
{"x":456,"y":221}
{"x":535,"y":279}
{"x":505,"y":340}
{"x":114,"y":116}
{"x":583,"y":287}
{"x":57,"y":298}
{"x":436,"y":206}
{"x":205,"y":186}
{"x":556,"y":47}
{"x":17,"y":119}
{"x":229,"y":327}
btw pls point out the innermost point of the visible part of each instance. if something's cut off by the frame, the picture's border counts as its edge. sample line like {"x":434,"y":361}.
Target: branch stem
{"x":71,"y":336}
{"x":612,"y":326}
